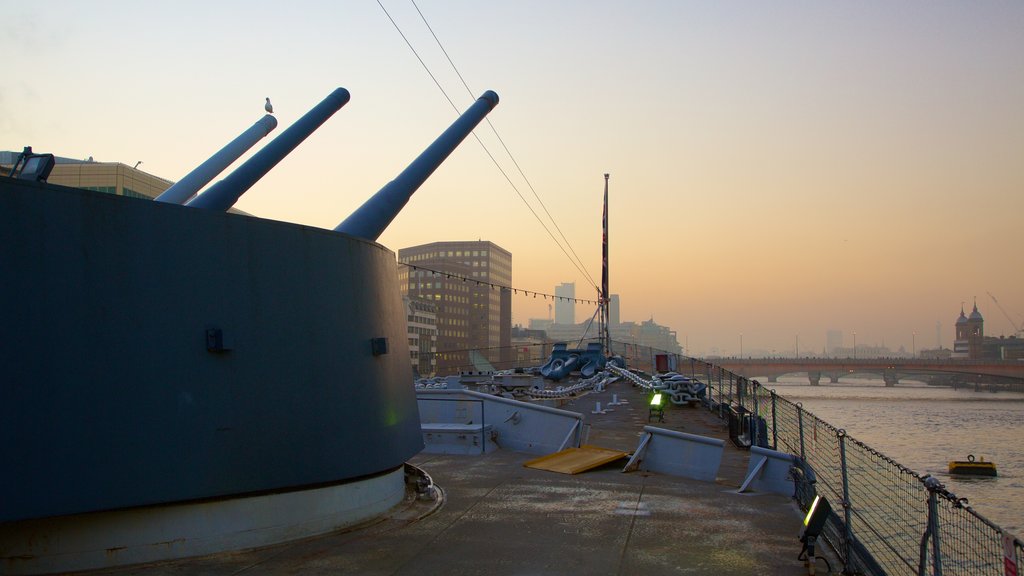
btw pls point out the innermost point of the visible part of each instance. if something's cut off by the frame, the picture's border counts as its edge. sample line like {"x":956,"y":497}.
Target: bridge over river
{"x":994,"y":372}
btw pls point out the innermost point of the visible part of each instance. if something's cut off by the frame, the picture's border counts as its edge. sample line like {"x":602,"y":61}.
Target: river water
{"x":924,"y":427}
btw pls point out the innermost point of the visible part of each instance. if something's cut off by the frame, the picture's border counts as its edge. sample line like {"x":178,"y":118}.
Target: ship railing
{"x":886,"y":518}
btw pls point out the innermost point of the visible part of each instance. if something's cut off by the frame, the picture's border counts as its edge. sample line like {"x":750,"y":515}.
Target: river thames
{"x":924,"y":427}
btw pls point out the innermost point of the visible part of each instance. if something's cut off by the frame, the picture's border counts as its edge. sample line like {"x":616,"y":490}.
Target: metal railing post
{"x":800,"y":424}
{"x":721,"y":393}
{"x":847,"y":512}
{"x":756,"y":423}
{"x":933,"y":486}
{"x":775,"y":424}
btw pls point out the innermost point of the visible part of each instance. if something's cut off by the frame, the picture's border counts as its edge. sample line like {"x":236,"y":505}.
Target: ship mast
{"x":606,"y":339}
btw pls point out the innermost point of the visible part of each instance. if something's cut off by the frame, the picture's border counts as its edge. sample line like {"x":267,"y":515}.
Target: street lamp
{"x":741,"y":345}
{"x":913,"y":344}
{"x":797,"y":345}
{"x":854,"y":344}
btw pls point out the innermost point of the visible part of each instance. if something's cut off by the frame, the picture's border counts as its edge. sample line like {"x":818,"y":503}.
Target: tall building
{"x":470,"y":283}
{"x":565,"y":307}
{"x":421,"y":319}
{"x":833,"y":341}
{"x":613,"y":310}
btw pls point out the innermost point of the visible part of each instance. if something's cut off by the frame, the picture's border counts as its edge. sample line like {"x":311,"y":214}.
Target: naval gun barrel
{"x":183,"y":190}
{"x":370,"y":219}
{"x":225,"y":193}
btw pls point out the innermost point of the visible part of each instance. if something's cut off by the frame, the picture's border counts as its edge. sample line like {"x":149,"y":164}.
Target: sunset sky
{"x":778,"y":169}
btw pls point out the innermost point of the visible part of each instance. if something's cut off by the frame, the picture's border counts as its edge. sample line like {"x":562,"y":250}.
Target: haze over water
{"x":778,"y":169}
{"x":924,"y":427}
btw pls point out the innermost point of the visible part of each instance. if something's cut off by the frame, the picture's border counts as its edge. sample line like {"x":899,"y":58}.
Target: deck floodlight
{"x":656,"y":409}
{"x":814,"y":523}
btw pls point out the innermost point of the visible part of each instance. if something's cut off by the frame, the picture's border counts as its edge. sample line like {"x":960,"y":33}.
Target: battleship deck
{"x":499,"y":517}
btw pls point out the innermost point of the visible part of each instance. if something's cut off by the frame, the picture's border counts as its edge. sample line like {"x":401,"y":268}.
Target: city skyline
{"x":777,"y":170}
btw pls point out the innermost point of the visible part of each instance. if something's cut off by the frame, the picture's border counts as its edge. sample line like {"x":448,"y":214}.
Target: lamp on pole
{"x":741,"y":345}
{"x":913,"y":344}
{"x":854,"y":344}
{"x":797,"y":345}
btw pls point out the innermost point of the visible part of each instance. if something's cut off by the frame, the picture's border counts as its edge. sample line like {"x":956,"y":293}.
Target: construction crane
{"x":1016,"y":329}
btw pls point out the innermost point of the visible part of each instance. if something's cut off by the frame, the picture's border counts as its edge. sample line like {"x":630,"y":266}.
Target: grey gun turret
{"x":374,"y":216}
{"x":183,"y":190}
{"x":225,"y":193}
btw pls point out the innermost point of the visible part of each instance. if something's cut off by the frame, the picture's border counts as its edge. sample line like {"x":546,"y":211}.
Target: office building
{"x":469,"y":282}
{"x":565,"y":306}
{"x":110,"y":177}
{"x":833,"y":342}
{"x":421,"y":318}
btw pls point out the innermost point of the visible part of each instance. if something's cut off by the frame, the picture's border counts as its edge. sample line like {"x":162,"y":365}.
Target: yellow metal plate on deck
{"x":576,"y":460}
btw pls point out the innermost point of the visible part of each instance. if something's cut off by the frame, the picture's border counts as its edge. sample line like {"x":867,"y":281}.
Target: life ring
{"x":970,"y":457}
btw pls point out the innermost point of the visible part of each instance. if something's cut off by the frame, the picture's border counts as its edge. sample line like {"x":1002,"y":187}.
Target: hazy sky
{"x":779,"y":169}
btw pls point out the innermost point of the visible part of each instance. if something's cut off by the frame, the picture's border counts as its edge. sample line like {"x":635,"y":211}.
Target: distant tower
{"x":614,"y":310}
{"x":833,"y":341}
{"x":975,"y":333}
{"x":565,"y":305}
{"x":970,"y":332}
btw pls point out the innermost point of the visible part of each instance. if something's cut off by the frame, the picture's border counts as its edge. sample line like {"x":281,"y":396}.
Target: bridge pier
{"x":773,"y":378}
{"x":814,"y":377}
{"x":833,"y":378}
{"x":891,"y":378}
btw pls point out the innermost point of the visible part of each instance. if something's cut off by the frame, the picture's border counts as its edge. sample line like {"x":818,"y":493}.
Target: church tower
{"x":970,"y":332}
{"x":975,"y":333}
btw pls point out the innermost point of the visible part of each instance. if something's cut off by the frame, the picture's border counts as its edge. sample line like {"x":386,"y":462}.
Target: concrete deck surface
{"x":500,"y":518}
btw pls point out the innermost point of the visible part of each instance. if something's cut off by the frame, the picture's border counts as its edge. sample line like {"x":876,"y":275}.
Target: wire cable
{"x":575,"y":262}
{"x":479,"y":282}
{"x":507,"y":151}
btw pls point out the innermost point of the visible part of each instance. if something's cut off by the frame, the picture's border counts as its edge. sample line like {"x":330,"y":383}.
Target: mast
{"x":605,"y":298}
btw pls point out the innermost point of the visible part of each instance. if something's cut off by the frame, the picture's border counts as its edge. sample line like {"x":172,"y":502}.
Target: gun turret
{"x":374,"y":216}
{"x":183,"y":190}
{"x":225,"y":193}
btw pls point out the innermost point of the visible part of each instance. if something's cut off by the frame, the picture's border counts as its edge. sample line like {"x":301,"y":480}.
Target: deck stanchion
{"x":775,"y":424}
{"x":800,"y":425}
{"x":847,"y":505}
{"x":756,"y":421}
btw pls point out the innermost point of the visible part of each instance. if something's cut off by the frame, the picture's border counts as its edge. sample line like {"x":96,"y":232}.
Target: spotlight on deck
{"x":814,"y":523}
{"x":656,"y":408}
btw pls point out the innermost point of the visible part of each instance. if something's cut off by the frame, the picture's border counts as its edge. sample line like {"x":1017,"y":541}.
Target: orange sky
{"x":778,"y":169}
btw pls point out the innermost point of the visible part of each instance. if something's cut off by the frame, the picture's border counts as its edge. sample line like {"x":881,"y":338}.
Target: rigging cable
{"x":488,"y":152}
{"x":503,"y":145}
{"x":450,"y":275}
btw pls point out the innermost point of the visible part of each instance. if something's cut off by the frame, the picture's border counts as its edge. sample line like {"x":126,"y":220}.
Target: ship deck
{"x":501,"y":518}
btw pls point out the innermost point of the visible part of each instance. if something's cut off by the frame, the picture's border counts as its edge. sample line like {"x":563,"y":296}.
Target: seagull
{"x":268,"y":106}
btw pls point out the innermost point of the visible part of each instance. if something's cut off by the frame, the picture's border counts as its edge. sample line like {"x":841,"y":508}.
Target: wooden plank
{"x":576,"y":460}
